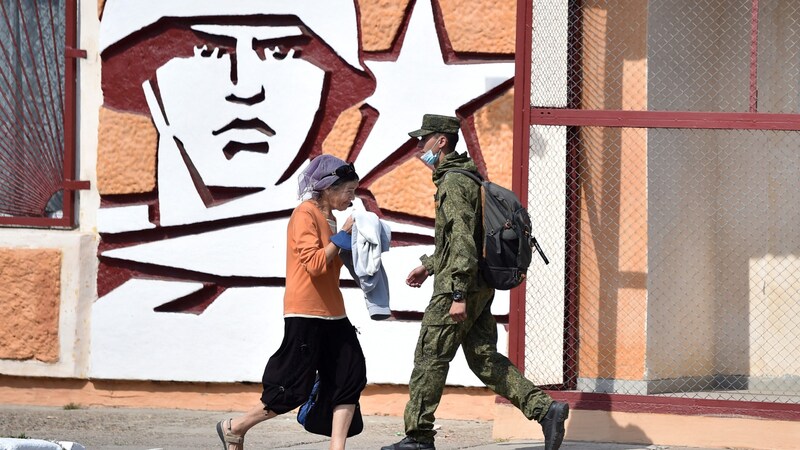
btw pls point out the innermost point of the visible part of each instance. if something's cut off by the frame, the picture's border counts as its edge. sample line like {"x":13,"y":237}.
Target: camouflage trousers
{"x":439,"y":339}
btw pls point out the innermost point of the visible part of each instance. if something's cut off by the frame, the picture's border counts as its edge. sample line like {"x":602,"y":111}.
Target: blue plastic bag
{"x":316,"y":415}
{"x":306,"y":407}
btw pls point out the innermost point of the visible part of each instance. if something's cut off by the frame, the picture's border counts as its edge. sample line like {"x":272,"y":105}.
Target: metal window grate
{"x":33,"y":104}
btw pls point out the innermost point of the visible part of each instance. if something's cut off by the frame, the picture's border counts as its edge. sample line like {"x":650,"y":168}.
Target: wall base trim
{"x":460,"y":403}
{"x":658,"y":429}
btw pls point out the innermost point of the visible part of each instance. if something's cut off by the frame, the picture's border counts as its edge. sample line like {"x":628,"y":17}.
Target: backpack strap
{"x":475,"y":178}
{"x":478,"y":179}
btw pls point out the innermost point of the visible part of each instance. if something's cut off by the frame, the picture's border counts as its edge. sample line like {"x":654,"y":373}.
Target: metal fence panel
{"x":675,"y":251}
{"x":687,"y":262}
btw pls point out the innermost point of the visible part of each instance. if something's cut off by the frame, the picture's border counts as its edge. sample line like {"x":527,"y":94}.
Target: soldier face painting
{"x":240,"y":108}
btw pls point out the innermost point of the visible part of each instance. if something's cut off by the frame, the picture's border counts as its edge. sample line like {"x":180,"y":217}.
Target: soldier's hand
{"x":458,"y":311}
{"x":417,"y":276}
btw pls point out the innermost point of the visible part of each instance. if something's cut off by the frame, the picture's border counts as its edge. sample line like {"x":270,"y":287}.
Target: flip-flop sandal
{"x":227,"y":437}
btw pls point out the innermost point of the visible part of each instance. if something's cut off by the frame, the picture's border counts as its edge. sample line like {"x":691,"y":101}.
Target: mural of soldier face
{"x":234,"y":107}
{"x":241,"y":107}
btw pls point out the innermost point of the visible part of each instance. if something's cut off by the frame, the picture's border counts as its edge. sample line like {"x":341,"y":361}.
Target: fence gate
{"x":658,"y":143}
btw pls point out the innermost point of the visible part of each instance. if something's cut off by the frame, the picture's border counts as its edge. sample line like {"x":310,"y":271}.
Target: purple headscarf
{"x":318,"y":175}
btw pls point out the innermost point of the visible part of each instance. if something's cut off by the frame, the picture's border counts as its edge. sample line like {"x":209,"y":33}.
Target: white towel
{"x":366,"y":243}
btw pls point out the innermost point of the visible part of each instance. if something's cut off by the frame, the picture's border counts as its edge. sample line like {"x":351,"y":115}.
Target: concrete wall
{"x":722,"y":215}
{"x":773,"y":286}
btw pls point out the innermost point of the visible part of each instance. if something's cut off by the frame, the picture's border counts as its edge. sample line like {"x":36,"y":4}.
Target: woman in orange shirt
{"x":318,"y":337}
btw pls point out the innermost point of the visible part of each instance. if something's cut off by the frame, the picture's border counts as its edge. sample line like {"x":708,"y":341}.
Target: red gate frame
{"x":524,"y":116}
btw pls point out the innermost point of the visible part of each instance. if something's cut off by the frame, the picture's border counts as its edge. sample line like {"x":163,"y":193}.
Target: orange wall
{"x":613,"y":251}
{"x":30,"y":299}
{"x":457,"y":402}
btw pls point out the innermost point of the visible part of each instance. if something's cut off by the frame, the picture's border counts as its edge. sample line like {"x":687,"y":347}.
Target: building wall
{"x":176,"y":275}
{"x":773,"y":299}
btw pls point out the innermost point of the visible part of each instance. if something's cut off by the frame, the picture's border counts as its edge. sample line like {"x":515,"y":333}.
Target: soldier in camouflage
{"x":459,"y":313}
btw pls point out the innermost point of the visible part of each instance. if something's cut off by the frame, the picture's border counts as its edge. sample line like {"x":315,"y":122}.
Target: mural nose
{"x":248,"y":88}
{"x":241,"y":97}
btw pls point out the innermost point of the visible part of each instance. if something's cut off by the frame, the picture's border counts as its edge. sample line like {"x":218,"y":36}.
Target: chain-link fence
{"x":676,"y":251}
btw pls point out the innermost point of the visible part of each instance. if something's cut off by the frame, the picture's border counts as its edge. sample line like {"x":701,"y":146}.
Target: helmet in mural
{"x":334,"y":21}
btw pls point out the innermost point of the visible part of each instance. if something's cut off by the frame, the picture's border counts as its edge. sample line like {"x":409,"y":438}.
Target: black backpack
{"x":508,"y":243}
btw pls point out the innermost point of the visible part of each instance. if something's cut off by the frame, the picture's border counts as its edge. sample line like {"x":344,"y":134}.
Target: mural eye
{"x":210,"y":51}
{"x":280,"y":49}
{"x":280,"y":52}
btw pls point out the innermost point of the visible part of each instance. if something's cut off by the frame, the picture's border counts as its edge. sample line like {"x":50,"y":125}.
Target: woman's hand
{"x":348,"y":225}
{"x":417,"y":276}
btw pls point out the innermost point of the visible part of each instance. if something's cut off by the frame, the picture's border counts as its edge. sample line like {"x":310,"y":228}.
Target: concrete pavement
{"x":150,"y":429}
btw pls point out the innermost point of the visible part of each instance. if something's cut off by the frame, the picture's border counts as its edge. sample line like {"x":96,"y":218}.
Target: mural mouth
{"x":251,"y":124}
{"x":232,"y":148}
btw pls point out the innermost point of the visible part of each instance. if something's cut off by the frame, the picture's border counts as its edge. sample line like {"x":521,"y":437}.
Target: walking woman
{"x":318,"y":337}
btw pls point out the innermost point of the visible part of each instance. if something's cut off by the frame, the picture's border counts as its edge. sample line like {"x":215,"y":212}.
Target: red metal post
{"x":70,"y":80}
{"x":519,"y":180}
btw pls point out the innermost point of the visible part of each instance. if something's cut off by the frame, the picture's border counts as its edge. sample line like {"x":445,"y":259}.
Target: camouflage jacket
{"x":454,"y":262}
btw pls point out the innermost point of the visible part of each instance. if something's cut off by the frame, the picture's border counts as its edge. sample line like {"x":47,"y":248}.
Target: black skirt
{"x":313,"y":346}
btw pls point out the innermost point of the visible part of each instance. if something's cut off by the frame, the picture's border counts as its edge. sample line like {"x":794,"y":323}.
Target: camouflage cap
{"x":433,"y":123}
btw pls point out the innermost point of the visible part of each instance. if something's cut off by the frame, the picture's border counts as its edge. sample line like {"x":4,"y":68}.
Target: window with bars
{"x":37,"y":120}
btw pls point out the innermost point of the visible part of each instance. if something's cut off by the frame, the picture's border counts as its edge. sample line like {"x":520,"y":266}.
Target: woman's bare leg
{"x":240,"y":425}
{"x":342,"y":417}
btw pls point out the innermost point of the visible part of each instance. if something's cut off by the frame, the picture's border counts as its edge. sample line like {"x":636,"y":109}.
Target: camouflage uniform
{"x":454,"y":265}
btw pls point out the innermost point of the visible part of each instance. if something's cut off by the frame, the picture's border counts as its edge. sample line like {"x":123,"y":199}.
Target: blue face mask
{"x":429,"y":157}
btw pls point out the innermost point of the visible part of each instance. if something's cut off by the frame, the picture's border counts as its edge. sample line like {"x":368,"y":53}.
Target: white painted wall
{"x":233,"y":338}
{"x":547,"y":159}
{"x":774,"y":287}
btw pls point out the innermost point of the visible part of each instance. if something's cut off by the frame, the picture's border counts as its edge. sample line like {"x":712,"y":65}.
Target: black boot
{"x":409,"y":443}
{"x":553,"y":425}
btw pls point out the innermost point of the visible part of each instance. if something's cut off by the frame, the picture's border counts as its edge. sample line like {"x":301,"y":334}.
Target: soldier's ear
{"x":448,"y":146}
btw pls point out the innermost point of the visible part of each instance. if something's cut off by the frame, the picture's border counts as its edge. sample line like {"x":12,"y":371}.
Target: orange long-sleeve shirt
{"x":312,"y":285}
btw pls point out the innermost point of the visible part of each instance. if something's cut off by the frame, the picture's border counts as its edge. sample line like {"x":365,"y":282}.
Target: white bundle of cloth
{"x":370,"y":237}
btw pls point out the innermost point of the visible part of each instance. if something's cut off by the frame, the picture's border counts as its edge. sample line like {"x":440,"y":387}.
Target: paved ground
{"x":146,"y":429}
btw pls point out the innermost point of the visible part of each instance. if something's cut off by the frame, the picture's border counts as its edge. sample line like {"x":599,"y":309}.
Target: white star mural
{"x":420,"y":82}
